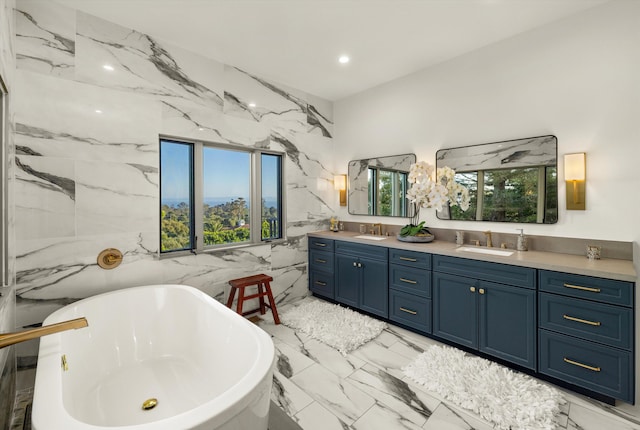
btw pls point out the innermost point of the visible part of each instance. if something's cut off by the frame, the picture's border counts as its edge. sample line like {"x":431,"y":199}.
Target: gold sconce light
{"x":110,"y":258}
{"x":575,"y":175}
{"x":340,"y":184}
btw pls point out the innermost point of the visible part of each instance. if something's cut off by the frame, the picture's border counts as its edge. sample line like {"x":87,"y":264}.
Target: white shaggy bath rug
{"x":338,"y":327}
{"x":506,"y":398}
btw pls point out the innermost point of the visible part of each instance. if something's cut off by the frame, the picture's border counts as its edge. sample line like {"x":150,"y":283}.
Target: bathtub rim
{"x":234,"y":400}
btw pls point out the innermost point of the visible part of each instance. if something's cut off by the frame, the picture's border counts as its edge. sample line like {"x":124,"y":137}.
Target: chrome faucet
{"x":489,"y":241}
{"x":8,"y":339}
{"x":379,"y":227}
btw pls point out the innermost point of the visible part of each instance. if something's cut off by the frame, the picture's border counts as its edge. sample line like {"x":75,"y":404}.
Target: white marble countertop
{"x":621,"y":270}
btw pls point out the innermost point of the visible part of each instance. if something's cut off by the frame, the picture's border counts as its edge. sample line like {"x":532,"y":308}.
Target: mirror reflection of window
{"x":387,"y":192}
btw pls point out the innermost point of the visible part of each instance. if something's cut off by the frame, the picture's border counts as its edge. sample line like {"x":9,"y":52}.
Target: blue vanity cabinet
{"x":410,"y":289}
{"x":321,"y":279}
{"x":361,"y":273}
{"x":586,"y":332}
{"x":474,"y":307}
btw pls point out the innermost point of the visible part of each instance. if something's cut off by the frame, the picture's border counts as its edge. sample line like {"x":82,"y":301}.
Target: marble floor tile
{"x":390,"y":361}
{"x":395,"y":394}
{"x":582,"y":418}
{"x":317,"y":417}
{"x":338,"y":395}
{"x":288,"y":396}
{"x":446,"y":417}
{"x":290,"y":361}
{"x":381,"y":417}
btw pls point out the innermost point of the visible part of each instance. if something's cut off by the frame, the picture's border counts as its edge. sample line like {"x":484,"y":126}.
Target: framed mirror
{"x":510,"y":181}
{"x":378,"y":186}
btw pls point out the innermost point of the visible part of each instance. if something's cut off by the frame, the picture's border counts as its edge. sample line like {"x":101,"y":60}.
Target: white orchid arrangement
{"x":427,"y":192}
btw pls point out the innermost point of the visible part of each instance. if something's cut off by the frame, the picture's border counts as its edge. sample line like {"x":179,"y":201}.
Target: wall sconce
{"x":340,"y":183}
{"x":575,"y":166}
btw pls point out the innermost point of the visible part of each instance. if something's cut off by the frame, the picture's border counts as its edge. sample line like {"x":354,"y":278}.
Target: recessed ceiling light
{"x":252,"y":105}
{"x":98,"y":111}
{"x":108,"y":67}
{"x":344,"y":59}
{"x":200,"y":129}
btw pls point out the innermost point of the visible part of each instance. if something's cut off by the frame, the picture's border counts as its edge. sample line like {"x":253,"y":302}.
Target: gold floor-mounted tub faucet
{"x":8,"y":339}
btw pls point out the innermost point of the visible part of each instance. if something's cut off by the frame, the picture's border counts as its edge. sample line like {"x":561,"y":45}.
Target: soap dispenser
{"x":521,"y":244}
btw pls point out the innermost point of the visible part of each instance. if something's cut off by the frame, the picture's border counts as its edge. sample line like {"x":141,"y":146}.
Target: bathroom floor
{"x":366,"y":390}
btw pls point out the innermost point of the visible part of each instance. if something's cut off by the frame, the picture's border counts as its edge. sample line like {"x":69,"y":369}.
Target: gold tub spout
{"x":8,"y":339}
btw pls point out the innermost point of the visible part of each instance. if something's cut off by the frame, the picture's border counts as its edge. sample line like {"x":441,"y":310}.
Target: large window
{"x":217,"y":196}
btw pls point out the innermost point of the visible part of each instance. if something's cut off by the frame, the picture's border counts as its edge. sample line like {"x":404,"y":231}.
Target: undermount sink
{"x":489,"y":251}
{"x":371,"y":237}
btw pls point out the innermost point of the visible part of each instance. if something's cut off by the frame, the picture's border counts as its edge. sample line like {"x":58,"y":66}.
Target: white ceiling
{"x":297,"y":42}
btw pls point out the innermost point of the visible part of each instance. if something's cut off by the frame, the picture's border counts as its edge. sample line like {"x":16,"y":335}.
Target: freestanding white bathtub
{"x":207,"y":367}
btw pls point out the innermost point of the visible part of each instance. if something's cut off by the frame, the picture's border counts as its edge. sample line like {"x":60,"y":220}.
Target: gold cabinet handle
{"x":578,"y":287}
{"x":408,"y":281}
{"x":409,"y":259}
{"x":319,"y":244}
{"x":580,"y":320}
{"x":322,"y":284}
{"x":584,"y":366}
{"x":319,"y":260}
{"x":472,"y":289}
{"x":409,"y":311}
{"x":481,"y":290}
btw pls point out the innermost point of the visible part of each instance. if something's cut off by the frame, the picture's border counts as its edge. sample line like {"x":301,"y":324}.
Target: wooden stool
{"x":264,"y":289}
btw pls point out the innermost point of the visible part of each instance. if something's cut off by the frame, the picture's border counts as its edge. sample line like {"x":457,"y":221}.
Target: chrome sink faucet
{"x":489,"y":241}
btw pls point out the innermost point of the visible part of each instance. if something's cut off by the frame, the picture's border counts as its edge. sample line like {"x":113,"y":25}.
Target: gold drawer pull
{"x":408,"y":281}
{"x":481,"y":290}
{"x":408,"y":311}
{"x":580,"y":320}
{"x":322,"y":284}
{"x":578,"y":287}
{"x":409,"y":259}
{"x":585,"y":366}
{"x":472,"y":289}
{"x":319,"y":260}
{"x":319,"y":244}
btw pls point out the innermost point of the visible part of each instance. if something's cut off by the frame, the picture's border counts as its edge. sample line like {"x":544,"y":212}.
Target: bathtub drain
{"x":149,"y":404}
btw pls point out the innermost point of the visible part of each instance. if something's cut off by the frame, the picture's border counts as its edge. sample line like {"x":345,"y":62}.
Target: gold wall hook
{"x":110,"y":258}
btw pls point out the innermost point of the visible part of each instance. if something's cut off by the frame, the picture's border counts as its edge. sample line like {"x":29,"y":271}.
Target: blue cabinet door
{"x":507,"y":324}
{"x":347,"y":279}
{"x":455,"y":309}
{"x":374,"y":291}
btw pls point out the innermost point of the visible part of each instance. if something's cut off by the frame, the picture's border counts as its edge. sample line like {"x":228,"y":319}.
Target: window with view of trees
{"x":207,"y":193}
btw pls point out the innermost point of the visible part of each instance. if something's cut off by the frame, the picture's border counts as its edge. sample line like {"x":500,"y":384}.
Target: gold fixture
{"x":8,"y":339}
{"x":408,"y":311}
{"x":322,"y":284}
{"x":408,"y":259}
{"x":575,"y":180}
{"x":320,"y":260}
{"x":109,"y":258}
{"x":377,"y":226}
{"x":408,"y":281}
{"x":585,"y":366}
{"x":340,"y":184}
{"x":489,"y":241}
{"x":472,"y":289}
{"x":65,"y":365}
{"x":481,"y":290}
{"x":580,"y":320}
{"x":149,"y":404}
{"x":578,"y":287}
{"x":320,"y":244}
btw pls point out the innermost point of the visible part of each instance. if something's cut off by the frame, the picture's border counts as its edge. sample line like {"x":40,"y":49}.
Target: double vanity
{"x":557,"y":316}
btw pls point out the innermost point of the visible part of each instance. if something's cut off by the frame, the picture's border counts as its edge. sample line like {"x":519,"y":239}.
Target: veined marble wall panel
{"x":320,"y":116}
{"x":45,"y":197}
{"x":275,"y":104}
{"x":290,"y":283}
{"x":116,"y":197}
{"x":45,"y":38}
{"x":58,"y":118}
{"x":144,"y":65}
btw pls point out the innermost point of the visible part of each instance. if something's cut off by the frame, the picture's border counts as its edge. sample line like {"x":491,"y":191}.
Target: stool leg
{"x":272,"y":302}
{"x":240,"y":300}
{"x":261,"y":291}
{"x":232,"y":294}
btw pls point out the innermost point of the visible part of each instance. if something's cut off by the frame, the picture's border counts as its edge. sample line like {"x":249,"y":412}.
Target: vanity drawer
{"x":321,"y":283}
{"x":596,"y":367}
{"x":611,"y":325}
{"x":587,"y":287}
{"x":320,"y":244}
{"x":420,"y":260}
{"x":409,"y":280}
{"x":410,"y":310}
{"x":494,"y":272}
{"x":360,"y":250}
{"x":320,"y":260}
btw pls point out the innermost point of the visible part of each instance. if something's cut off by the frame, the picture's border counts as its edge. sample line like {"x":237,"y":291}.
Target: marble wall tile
{"x":319,"y":116}
{"x":45,"y":38}
{"x":45,"y":200}
{"x":143,"y":65}
{"x":58,"y":118}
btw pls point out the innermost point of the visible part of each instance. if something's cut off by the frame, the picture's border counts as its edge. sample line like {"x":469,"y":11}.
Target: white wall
{"x":577,"y":78}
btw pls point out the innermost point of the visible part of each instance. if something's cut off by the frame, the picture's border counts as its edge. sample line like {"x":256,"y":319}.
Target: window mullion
{"x":198,"y":203}
{"x":256,"y":198}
